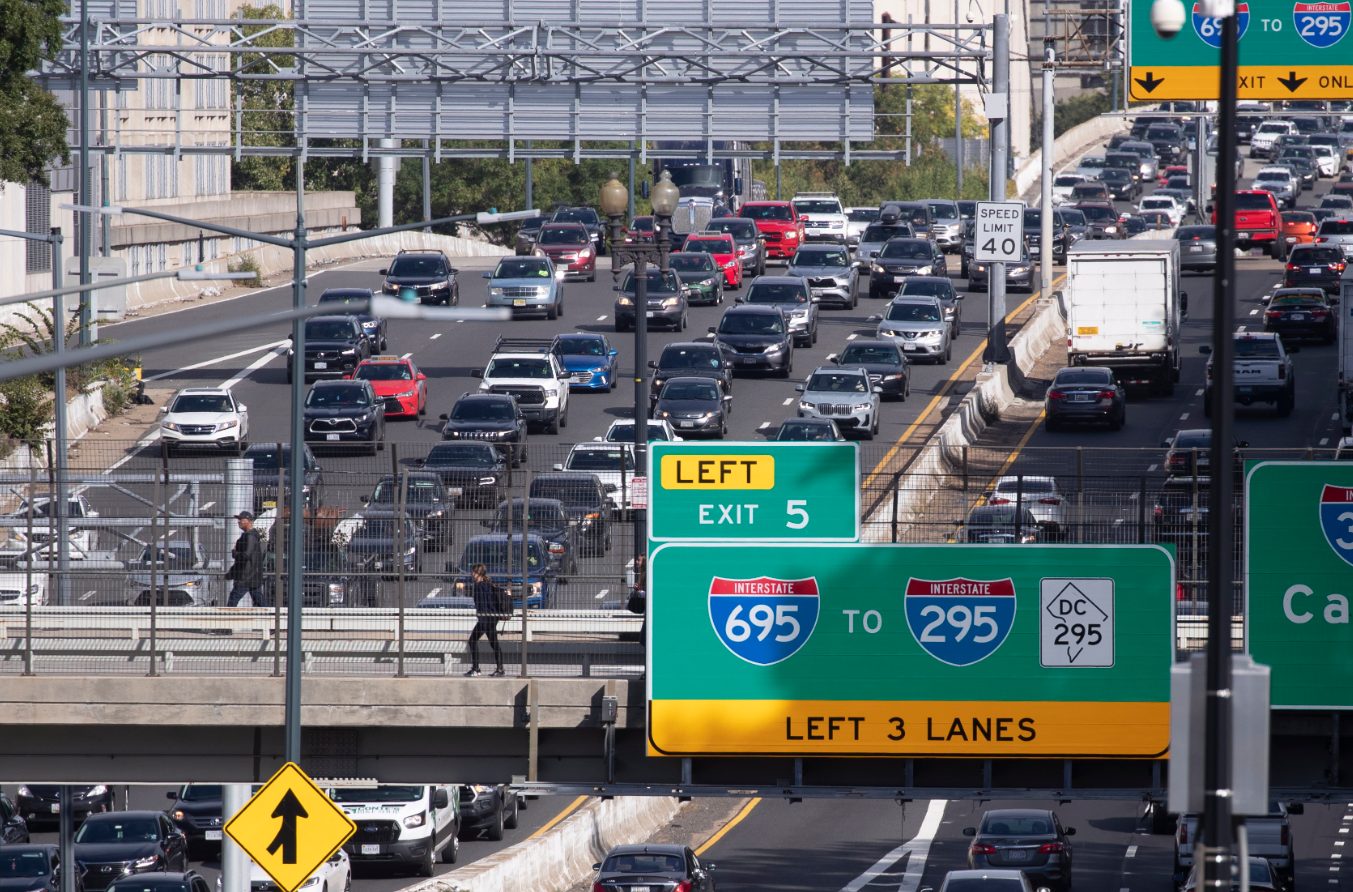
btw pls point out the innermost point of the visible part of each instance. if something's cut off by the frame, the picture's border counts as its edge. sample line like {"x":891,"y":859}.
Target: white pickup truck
{"x":1268,"y":837}
{"x":1264,"y":372}
{"x":525,"y":369}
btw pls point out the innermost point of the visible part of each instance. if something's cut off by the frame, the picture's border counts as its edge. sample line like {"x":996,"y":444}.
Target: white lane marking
{"x":435,"y":591}
{"x":788,"y":401}
{"x":1339,"y":842}
{"x":1254,"y":312}
{"x":603,"y":593}
{"x":1324,"y":441}
{"x":851,"y":337}
{"x":1131,"y":852}
{"x":1240,"y":328}
{"x":251,"y":368}
{"x":89,"y":594}
{"x":915,"y":850}
{"x":1335,"y":856}
{"x":1184,"y":417}
{"x":601,"y":318}
{"x":763,"y":425}
{"x":1199,"y":392}
{"x":1152,"y":467}
{"x":205,"y":507}
{"x":136,"y":448}
{"x":435,"y":336}
{"x":217,"y":361}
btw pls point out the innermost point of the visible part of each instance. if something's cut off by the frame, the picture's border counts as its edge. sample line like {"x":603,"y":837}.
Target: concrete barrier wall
{"x":83,"y":413}
{"x":1065,"y":147}
{"x":565,"y":855}
{"x":273,"y":261}
{"x":940,"y":462}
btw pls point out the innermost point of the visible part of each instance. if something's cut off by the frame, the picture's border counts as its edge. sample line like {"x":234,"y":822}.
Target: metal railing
{"x":396,"y":605}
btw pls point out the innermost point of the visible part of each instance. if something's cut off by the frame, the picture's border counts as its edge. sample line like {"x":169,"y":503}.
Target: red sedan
{"x":723,"y":250}
{"x":398,"y":382}
{"x":569,"y":246}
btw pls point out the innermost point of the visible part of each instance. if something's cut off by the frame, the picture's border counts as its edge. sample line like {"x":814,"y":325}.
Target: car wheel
{"x":425,"y":867}
{"x":723,"y":429}
{"x":682,"y":324}
{"x":563,"y":418}
{"x":510,"y":822}
{"x":495,"y":830}
{"x":451,"y":854}
{"x":553,"y":311}
{"x":813,"y":338}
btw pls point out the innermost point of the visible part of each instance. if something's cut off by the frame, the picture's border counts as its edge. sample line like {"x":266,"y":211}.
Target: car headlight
{"x":23,"y":790}
{"x":406,"y":393}
{"x":351,"y":351}
{"x":709,"y":283}
{"x":390,"y":287}
{"x":169,"y":425}
{"x":228,"y":425}
{"x":861,"y":407}
{"x":730,"y":264}
{"x":887,"y":333}
{"x":417,"y":820}
{"x":662,"y":413}
{"x":707,"y":416}
{"x":923,"y":270}
{"x":892,"y":378}
{"x":1111,"y":229}
{"x":371,"y":323}
{"x":495,"y":291}
{"x":929,"y":336}
{"x":876,"y":268}
{"x":775,"y":348}
{"x":312,"y":882}
{"x":337,"y":591}
{"x":143,"y":863}
{"x":537,"y":588}
{"x":669,"y":302}
{"x":805,"y":405}
{"x":98,"y":789}
{"x":791,"y":234}
{"x":624,"y":301}
{"x":487,"y":481}
{"x":440,"y":286}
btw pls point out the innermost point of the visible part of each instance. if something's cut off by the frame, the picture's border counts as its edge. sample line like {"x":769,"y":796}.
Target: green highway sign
{"x":1298,"y":49}
{"x":987,"y":651}
{"x":763,"y":491}
{"x":1299,"y":578}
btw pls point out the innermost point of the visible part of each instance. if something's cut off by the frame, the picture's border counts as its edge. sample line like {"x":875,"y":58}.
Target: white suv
{"x":205,"y":417}
{"x":527,"y":370}
{"x":823,"y":218}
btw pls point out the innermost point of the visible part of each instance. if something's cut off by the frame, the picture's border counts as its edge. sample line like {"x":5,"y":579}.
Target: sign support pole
{"x":1045,"y":247}
{"x":234,"y":863}
{"x":1000,"y":147}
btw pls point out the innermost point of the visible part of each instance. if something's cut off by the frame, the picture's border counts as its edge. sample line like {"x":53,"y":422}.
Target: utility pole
{"x":999,"y":113}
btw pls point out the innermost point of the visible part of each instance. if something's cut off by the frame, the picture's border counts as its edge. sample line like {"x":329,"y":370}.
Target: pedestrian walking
{"x":491,"y":604}
{"x":246,"y":568}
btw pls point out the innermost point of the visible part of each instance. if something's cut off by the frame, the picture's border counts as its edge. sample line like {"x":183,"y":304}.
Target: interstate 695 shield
{"x":853,"y":649}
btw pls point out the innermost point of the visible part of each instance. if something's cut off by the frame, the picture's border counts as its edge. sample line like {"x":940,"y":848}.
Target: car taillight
{"x":556,"y":548}
{"x":1106,"y":394}
{"x":1051,"y":848}
{"x":1338,"y":267}
{"x":981,"y":848}
{"x":683,"y":886}
{"x":1272,"y":314}
{"x":1282,"y":372}
{"x":1056,"y":395}
{"x":998,"y":500}
{"x":1183,"y":828}
{"x":1050,"y":500}
{"x":1319,"y":314}
{"x":1158,"y":513}
{"x":598,"y":887}
{"x":1291,"y":266}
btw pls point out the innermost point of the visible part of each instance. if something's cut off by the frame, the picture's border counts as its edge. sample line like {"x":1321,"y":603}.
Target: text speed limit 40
{"x":1076,"y":622}
{"x":998,"y":232}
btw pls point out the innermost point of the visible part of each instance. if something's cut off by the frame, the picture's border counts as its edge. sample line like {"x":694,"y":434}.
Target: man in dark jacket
{"x":489,"y":612}
{"x":246,"y":569}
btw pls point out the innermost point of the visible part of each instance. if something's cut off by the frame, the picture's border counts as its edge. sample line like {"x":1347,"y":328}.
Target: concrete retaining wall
{"x":565,"y":855}
{"x":83,"y":413}
{"x":940,"y":462}
{"x":1065,"y":147}
{"x":274,"y":261}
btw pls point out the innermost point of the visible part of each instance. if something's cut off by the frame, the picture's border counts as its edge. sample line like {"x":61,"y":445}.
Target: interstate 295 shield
{"x":764,"y":620}
{"x":960,"y":621}
{"x":1336,"y":519}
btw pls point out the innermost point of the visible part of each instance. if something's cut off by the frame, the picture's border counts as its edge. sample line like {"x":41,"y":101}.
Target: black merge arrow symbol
{"x":1291,"y":82}
{"x":288,"y":809}
{"x":1150,"y":82}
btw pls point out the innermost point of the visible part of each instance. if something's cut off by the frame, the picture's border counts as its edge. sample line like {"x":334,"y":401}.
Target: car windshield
{"x":1032,"y":218}
{"x":344,"y":297}
{"x":643,"y":862}
{"x":200,"y":792}
{"x":871,"y":355}
{"x":691,"y":263}
{"x":1281,"y":176}
{"x":1068,"y":180}
{"x":881,"y":232}
{"x":384,"y":371}
{"x":576,"y":215}
{"x":1336,"y":227}
{"x":995,"y":515}
{"x":656,"y":280}
{"x":837,"y":382}
{"x":563,"y":235}
{"x":179,"y":555}
{"x":514,"y":367}
{"x":600,"y":460}
{"x":817,"y":206}
{"x":1100,"y":214}
{"x":579,"y":346}
{"x":118,"y":830}
{"x":776,"y":293}
{"x":708,"y":246}
{"x":376,"y":794}
{"x":379,"y":528}
{"x":468,"y":455}
{"x":201,"y":402}
{"x":983,"y":884}
{"x":818,"y":257}
{"x":336,"y":397}
{"x":420,"y":491}
{"x":1294,"y":301}
{"x":806,"y":430}
{"x":1075,"y":377}
{"x":502,"y":556}
{"x":482,"y":410}
{"x":522,"y":268}
{"x":690,"y":390}
{"x":943,"y":210}
{"x":742,"y":230}
{"x":1087,"y":190}
{"x":623,"y":432}
{"x":23,"y":864}
{"x":1072,"y":217}
{"x":1315,"y":255}
{"x":929,"y":288}
{"x":862,"y":215}
{"x":574,"y":493}
{"x":540,"y":513}
{"x":913,"y":312}
{"x":1256,"y":348}
{"x":1274,"y":127}
{"x":689,"y":358}
{"x":1195,"y":233}
{"x":1303,"y":217}
{"x":1016,"y":825}
{"x":1027,"y":485}
{"x":905,"y":250}
{"x":266,"y":459}
{"x":329,"y":330}
{"x":418,"y":266}
{"x":1159,"y":203}
{"x":1248,"y":201}
{"x":751,"y":323}
{"x":767,"y":212}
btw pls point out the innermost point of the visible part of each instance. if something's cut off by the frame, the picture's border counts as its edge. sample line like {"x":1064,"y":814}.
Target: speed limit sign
{"x":999,"y":232}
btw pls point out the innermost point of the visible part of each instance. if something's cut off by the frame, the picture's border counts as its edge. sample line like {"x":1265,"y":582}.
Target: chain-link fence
{"x":388,"y":542}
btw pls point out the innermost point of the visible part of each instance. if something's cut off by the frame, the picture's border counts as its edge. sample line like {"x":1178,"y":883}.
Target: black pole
{"x":640,"y":402}
{"x":1214,"y":851}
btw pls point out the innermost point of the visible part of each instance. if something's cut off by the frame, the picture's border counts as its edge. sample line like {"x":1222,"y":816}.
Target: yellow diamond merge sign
{"x":289,"y":827}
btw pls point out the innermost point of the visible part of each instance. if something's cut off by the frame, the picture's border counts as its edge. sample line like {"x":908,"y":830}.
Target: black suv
{"x":270,"y":466}
{"x":333,"y":347}
{"x":198,"y":812}
{"x":548,"y":519}
{"x":429,"y":273}
{"x":343,"y":413}
{"x":754,"y":337}
{"x":372,"y":326}
{"x":473,"y":472}
{"x":590,"y":220}
{"x":426,"y":501}
{"x":584,"y":499}
{"x":688,"y":358}
{"x":492,"y":418}
{"x":902,"y":257}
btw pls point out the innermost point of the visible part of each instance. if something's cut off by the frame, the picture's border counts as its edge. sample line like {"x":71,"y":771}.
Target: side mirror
{"x":1243,"y":444}
{"x":967,"y":831}
{"x":598,"y":866}
{"x":164,"y":409}
{"x":384,"y":272}
{"x":1070,"y":831}
{"x":874,"y":318}
{"x":366,"y":500}
{"x":172,"y":795}
{"x":878,"y":389}
{"x":798,"y":388}
{"x":488,"y":274}
{"x":444,"y":417}
{"x":1165,"y":444}
{"x":419,"y":377}
{"x":831,"y":357}
{"x":477,"y":373}
{"x":710,"y":330}
{"x":613,"y":352}
{"x":440,"y":799}
{"x":1293,"y":808}
{"x":242,"y":407}
{"x":558,"y":466}
{"x":652,"y":363}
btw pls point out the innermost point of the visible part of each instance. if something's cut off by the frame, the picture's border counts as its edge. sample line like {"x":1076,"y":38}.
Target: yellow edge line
{"x":735,"y":821}
{"x":568,"y":810}
{"x":944,"y":390}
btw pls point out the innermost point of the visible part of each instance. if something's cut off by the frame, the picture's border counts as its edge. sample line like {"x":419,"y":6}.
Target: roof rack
{"x":523,"y":345}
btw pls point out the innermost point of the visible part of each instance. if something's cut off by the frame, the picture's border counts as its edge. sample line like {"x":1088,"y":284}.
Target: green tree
{"x":32,"y":123}
{"x":267,"y":105}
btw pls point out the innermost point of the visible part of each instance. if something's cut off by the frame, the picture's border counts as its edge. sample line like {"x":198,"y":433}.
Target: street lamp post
{"x":614,"y":204}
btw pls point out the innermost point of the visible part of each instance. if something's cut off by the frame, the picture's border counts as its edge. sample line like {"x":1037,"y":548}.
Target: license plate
{"x":212,"y":835}
{"x":1195,"y":249}
{"x":455,"y":492}
{"x":56,"y":808}
{"x":321,"y":365}
{"x":370,"y":849}
{"x":746,"y":362}
{"x":1314,"y":270}
{"x":685,"y":424}
{"x":639,"y":889}
{"x":899,"y":278}
{"x":269,"y":503}
{"x":1298,"y":317}
{"x":519,"y":302}
{"x":907,"y":346}
{"x":1017,"y":855}
{"x":1244,"y":391}
{"x":331,"y":436}
{"x":650,"y":314}
{"x":817,"y":292}
{"x":1080,"y":398}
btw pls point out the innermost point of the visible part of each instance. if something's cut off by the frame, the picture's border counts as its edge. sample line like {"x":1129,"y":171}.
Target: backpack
{"x":502,"y":600}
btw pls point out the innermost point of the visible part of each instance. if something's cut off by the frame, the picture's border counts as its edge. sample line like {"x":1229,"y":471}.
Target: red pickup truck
{"x":780,"y":227}
{"x":1258,"y":221}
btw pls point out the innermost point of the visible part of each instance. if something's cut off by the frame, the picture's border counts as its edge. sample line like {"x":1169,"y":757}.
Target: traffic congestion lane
{"x":539,"y":813}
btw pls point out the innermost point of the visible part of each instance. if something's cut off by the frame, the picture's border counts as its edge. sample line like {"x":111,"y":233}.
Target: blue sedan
{"x":590,"y":357}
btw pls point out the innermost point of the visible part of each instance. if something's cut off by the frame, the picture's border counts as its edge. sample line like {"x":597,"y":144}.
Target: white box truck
{"x":405,"y":826}
{"x":1346,"y":350}
{"x":1123,"y":309}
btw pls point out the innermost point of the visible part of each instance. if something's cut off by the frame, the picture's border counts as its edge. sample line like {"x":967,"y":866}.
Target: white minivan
{"x":402,"y":825}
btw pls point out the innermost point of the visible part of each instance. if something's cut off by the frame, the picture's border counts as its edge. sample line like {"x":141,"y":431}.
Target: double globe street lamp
{"x":614,"y":204}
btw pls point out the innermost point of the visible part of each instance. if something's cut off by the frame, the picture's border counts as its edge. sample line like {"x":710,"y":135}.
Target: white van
{"x":402,"y":825}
